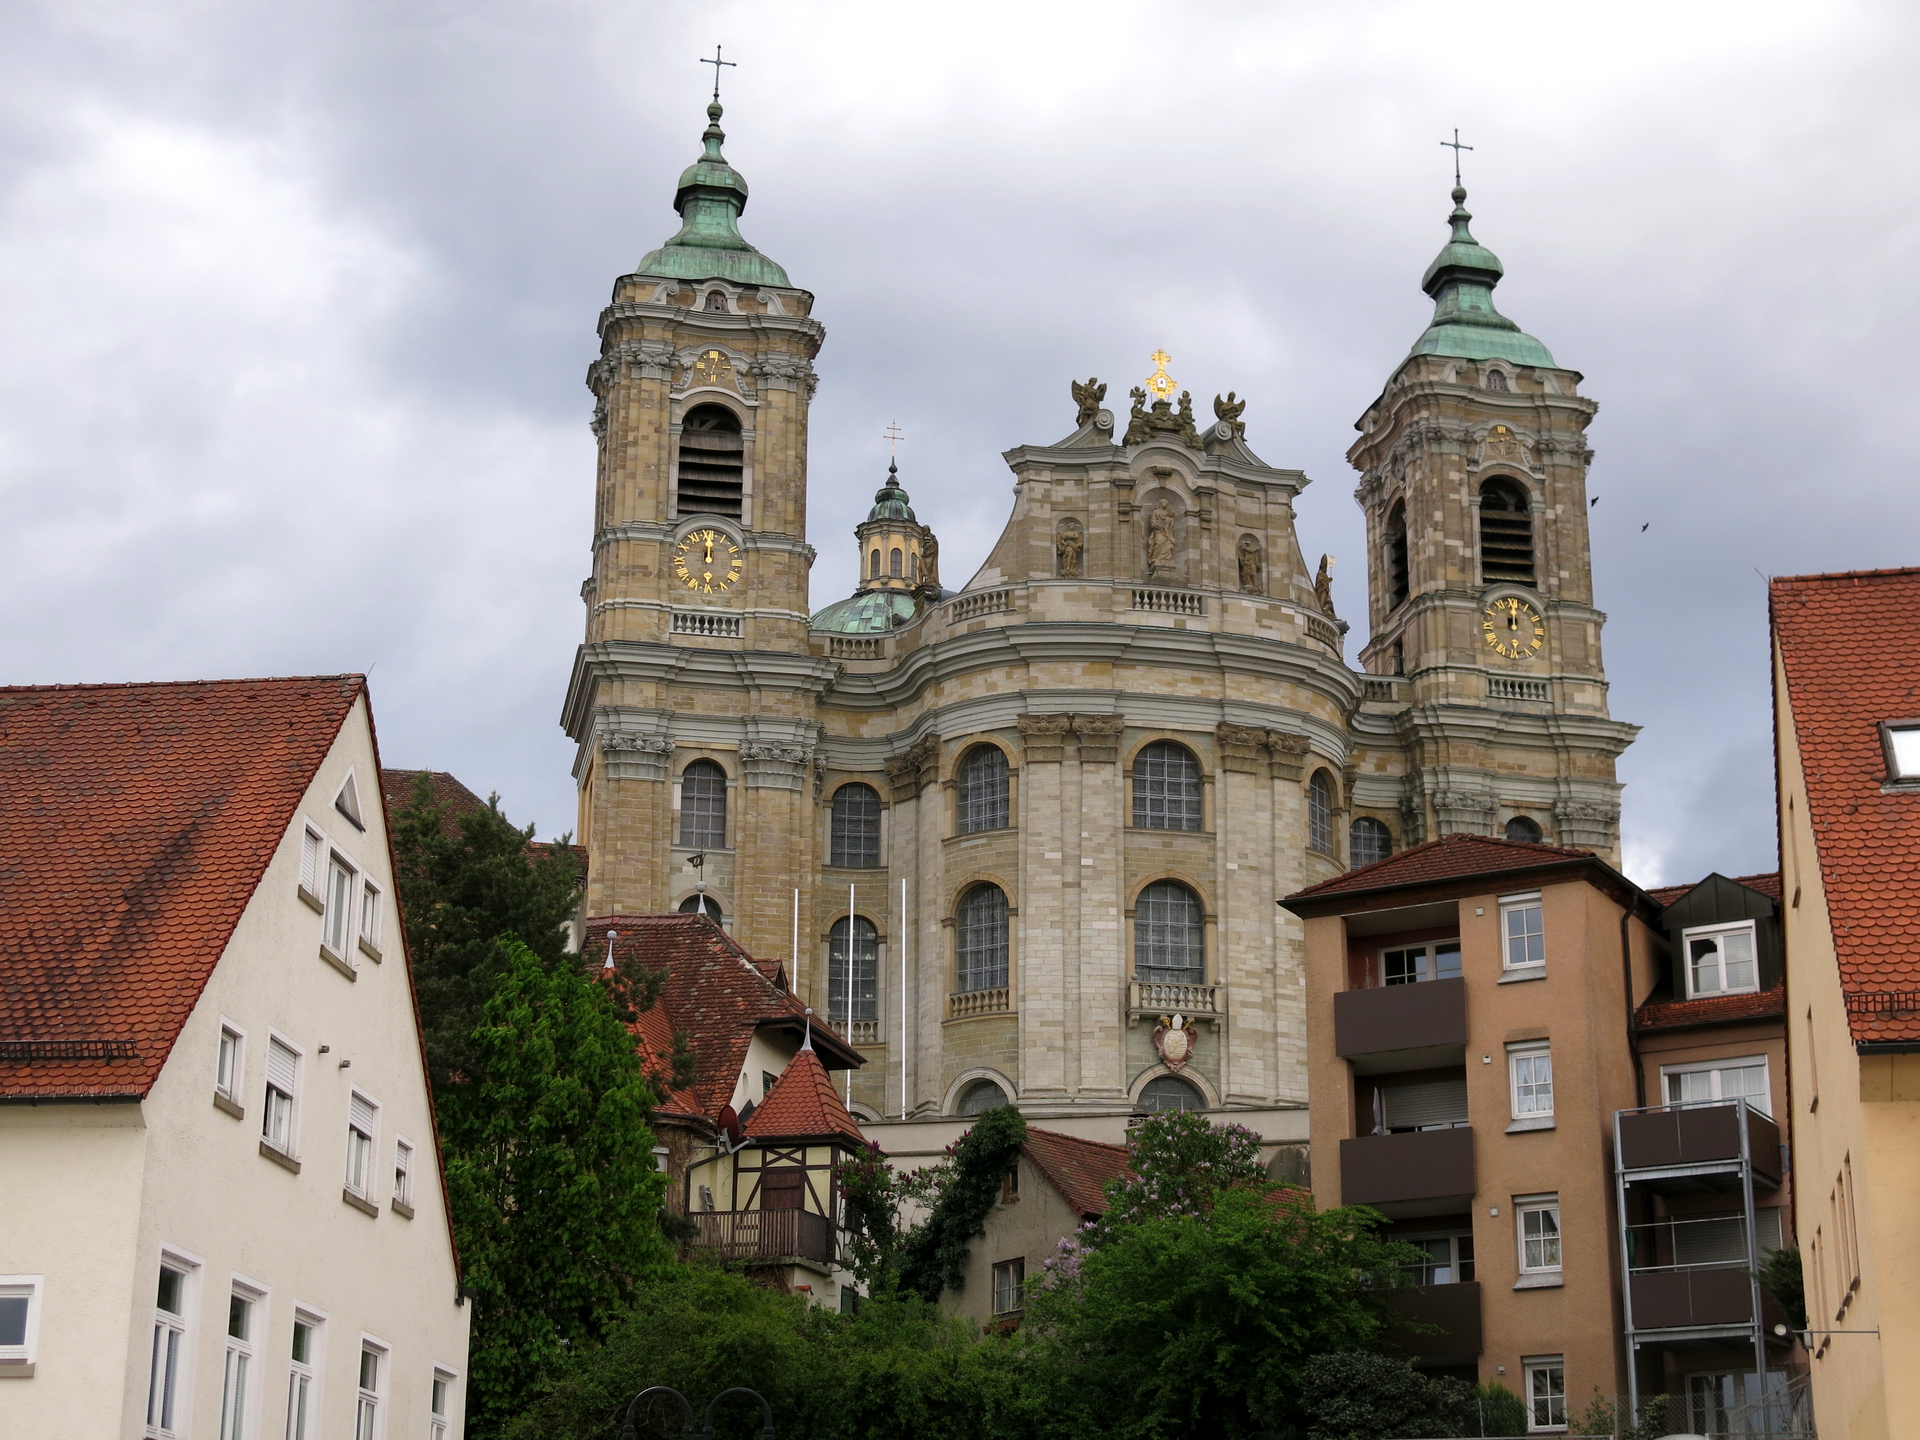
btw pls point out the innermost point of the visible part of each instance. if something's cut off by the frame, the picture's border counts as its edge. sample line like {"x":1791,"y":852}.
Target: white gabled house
{"x":222,"y":1213}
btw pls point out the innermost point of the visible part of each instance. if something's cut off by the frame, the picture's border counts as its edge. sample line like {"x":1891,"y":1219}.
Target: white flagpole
{"x":796,"y":942}
{"x":846,"y":1007}
{"x":906,"y":926}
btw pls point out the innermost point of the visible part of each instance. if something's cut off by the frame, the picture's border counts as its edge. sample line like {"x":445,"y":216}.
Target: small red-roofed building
{"x":1846,"y":694}
{"x":224,"y":1211}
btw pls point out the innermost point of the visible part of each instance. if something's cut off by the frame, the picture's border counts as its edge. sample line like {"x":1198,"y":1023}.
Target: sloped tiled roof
{"x":1455,"y":857}
{"x":1078,"y":1169}
{"x":1767,"y":884}
{"x":457,"y":799}
{"x":137,"y":820}
{"x":1850,"y":647}
{"x":716,"y":993}
{"x":1712,"y":1010}
{"x":803,"y":1105}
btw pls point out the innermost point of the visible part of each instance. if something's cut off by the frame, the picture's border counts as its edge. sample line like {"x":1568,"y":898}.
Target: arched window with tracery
{"x":703,"y":806}
{"x":853,"y":972}
{"x":1168,"y":1092}
{"x":1398,"y":575}
{"x":1169,"y":936}
{"x":981,"y":940}
{"x":982,"y":792}
{"x":855,"y":826}
{"x":1368,"y":840}
{"x":1166,"y":788}
{"x":1320,"y":807}
{"x":713,"y":462}
{"x":980,"y":1097}
{"x":1506,"y":534}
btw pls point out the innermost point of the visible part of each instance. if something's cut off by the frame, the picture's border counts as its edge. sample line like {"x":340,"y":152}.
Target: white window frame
{"x":370,"y":917}
{"x":310,"y":1371}
{"x":1014,"y":1271}
{"x":1530,"y":1366}
{"x":369,"y":1405}
{"x":1525,"y":1206}
{"x":313,"y":855}
{"x":1428,"y":963}
{"x":179,"y":1329}
{"x":19,"y":1359}
{"x":233,"y":1084}
{"x":1903,"y":760}
{"x":1519,"y":905}
{"x":1520,"y":1055}
{"x":1733,"y":927}
{"x":368,"y":1153}
{"x":440,"y":1401}
{"x":291,"y":1149}
{"x":1763,"y":1102}
{"x":404,"y":1156}
{"x":239,"y":1372}
{"x":336,"y":925}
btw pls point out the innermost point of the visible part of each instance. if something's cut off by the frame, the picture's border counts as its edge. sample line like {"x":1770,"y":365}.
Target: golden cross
{"x":1160,"y":383}
{"x":894,"y":436}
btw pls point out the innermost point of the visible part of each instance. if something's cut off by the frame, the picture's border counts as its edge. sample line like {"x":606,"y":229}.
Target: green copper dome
{"x":709,"y":246}
{"x":890,"y":501}
{"x":869,"y":613}
{"x":1465,"y":324}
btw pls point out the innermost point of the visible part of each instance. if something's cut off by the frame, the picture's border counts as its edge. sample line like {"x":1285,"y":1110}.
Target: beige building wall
{"x":1027,"y":1225}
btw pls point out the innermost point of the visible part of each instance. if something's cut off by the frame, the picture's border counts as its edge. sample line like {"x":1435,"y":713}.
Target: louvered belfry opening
{"x":712,"y":462}
{"x":1397,"y":576}
{"x":1506,"y":534}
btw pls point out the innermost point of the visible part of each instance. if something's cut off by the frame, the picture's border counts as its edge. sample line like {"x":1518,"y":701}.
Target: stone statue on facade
{"x":1088,"y":398}
{"x":1137,"y":427}
{"x":1160,"y":542}
{"x":1248,"y":552}
{"x":1228,"y":412}
{"x":929,"y":562}
{"x":1066,"y":548}
{"x":1323,"y":587}
{"x":1186,"y":431}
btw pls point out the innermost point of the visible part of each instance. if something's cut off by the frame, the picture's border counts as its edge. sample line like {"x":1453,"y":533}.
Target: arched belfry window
{"x":980,"y":948}
{"x":703,"y":806}
{"x":853,"y":973}
{"x":716,"y":300}
{"x":873,"y":566}
{"x":1496,"y":380}
{"x":1169,"y":936}
{"x":856,"y":827}
{"x":1398,"y":580}
{"x":1506,"y":534}
{"x":983,"y":799}
{"x":1320,"y":806}
{"x":1368,"y":840}
{"x":1526,"y":831}
{"x":1166,"y":788}
{"x":713,"y":461}
{"x":896,"y":563}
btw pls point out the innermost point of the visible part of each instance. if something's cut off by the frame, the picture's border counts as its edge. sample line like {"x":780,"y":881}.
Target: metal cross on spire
{"x":716,"y":62}
{"x":894,"y":435}
{"x":1453,"y":145}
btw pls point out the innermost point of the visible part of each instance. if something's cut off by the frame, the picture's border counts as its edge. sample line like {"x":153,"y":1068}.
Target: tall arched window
{"x":713,"y":457}
{"x":703,"y":806}
{"x":703,"y":905}
{"x":1168,"y":1092}
{"x":1506,"y":534}
{"x":1367,"y":841}
{"x":856,"y":827}
{"x":1166,"y":788}
{"x":1525,"y":830}
{"x":1320,"y":812}
{"x":1398,"y":584}
{"x":983,"y":789}
{"x":1169,"y":935}
{"x":980,"y":1097}
{"x":981,"y":940}
{"x":896,"y":563}
{"x":873,"y":566}
{"x":853,"y":975}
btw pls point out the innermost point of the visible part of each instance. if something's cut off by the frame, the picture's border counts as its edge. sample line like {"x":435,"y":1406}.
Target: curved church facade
{"x":1024,"y":839}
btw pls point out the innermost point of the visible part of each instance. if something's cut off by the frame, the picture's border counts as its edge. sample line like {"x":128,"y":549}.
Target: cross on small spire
{"x":1453,"y":145}
{"x":894,"y":435}
{"x":716,"y":62}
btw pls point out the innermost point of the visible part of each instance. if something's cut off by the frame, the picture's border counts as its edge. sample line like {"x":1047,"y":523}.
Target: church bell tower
{"x":1480,"y":594}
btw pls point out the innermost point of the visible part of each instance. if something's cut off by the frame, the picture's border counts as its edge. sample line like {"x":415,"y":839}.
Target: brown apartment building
{"x":1562,"y":1088}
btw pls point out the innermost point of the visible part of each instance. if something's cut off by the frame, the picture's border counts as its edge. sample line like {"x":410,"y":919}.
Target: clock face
{"x":1512,"y":628}
{"x":707,"y":561}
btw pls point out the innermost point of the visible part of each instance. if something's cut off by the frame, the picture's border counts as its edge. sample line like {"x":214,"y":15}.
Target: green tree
{"x":1376,"y":1397}
{"x":466,"y":883}
{"x":1181,"y":1162}
{"x":551,"y":1177}
{"x":1780,"y":1277}
{"x":933,"y":1255}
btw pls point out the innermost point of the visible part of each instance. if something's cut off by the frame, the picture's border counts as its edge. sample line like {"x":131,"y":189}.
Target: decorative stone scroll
{"x":1289,"y":754}
{"x":635,"y":757}
{"x":1099,"y":737}
{"x":785,"y":372}
{"x":1464,"y":812}
{"x":907,"y":773}
{"x":1240,"y":748}
{"x":776,"y":767}
{"x":1044,"y":737}
{"x":649,"y":359}
{"x":1413,"y":820}
{"x":1586,"y":823}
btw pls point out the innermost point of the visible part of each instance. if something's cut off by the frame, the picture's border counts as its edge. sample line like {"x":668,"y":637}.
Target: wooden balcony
{"x":767,"y":1237}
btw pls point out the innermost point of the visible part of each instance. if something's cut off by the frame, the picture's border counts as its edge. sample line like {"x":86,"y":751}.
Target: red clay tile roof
{"x":1456,"y":857}
{"x":137,"y":822}
{"x":455,"y":797}
{"x":1078,"y":1169}
{"x":1767,"y":884}
{"x":1712,"y":1010}
{"x":715,"y":992}
{"x":802,"y":1105}
{"x":1868,"y":840}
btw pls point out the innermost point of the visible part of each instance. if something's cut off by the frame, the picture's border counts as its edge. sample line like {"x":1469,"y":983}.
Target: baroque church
{"x":1022,"y":839}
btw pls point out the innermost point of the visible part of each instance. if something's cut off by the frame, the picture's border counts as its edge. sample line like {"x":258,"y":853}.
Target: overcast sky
{"x":296,"y":302}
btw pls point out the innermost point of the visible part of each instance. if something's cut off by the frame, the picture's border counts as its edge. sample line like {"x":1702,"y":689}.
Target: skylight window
{"x":1903,"y":749}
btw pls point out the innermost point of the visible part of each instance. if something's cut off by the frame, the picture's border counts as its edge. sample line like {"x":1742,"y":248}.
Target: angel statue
{"x":1323,"y":586}
{"x":1228,"y":412}
{"x":1088,"y":398}
{"x":1137,"y":428}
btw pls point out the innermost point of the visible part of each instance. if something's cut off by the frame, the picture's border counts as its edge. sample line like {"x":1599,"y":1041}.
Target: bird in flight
{"x":1643,"y":528}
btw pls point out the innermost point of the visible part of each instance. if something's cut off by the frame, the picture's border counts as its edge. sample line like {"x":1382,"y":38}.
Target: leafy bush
{"x":1375,"y":1397}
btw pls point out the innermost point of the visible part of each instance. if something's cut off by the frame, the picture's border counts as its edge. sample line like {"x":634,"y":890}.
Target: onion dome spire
{"x":710,"y":198}
{"x":890,"y":501}
{"x":1465,"y":323}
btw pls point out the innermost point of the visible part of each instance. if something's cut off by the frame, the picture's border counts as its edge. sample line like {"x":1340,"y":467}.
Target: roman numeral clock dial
{"x":1512,"y":628}
{"x":707,"y":561}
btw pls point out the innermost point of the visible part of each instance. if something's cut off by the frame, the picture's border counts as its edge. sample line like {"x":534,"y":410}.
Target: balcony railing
{"x":967,"y":1003}
{"x":767,"y":1236}
{"x":1390,"y":1018}
{"x":1453,"y":1309}
{"x":1400,"y":1170}
{"x":863,"y":1032}
{"x":1699,"y":1137}
{"x":1159,"y":997}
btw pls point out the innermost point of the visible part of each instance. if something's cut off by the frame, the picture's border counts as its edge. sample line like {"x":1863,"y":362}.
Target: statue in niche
{"x":1160,"y":542}
{"x":1249,"y":555}
{"x":1323,"y":586}
{"x":1088,"y":398}
{"x":1067,"y":546}
{"x":1229,"y":411}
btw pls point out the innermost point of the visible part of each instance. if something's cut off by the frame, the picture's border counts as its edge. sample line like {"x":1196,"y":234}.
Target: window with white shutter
{"x":310,"y":847}
{"x":362,"y":1115}
{"x":283,"y":1074}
